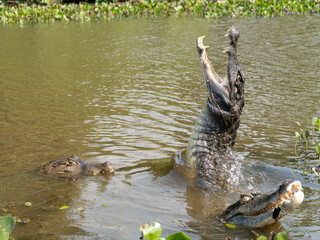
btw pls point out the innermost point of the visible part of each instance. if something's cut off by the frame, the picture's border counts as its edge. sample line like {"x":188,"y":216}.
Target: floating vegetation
{"x":273,"y":236}
{"x":64,"y":207}
{"x":28,"y":204}
{"x":153,"y":232}
{"x":307,"y":146}
{"x":85,"y":12}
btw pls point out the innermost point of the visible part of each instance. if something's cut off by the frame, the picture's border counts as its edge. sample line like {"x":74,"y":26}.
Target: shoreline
{"x":85,"y":12}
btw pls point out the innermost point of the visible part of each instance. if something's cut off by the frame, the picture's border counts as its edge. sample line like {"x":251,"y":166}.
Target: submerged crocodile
{"x":210,"y":148}
{"x":73,"y":166}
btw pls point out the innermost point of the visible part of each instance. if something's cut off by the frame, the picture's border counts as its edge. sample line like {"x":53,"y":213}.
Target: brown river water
{"x":130,"y":91}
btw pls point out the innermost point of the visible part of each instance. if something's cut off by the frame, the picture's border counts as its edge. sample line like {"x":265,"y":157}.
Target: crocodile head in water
{"x":258,"y":210}
{"x":210,"y":146}
{"x":71,"y":166}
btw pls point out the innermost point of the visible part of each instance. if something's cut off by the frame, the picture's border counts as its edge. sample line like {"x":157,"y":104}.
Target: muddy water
{"x":130,"y":92}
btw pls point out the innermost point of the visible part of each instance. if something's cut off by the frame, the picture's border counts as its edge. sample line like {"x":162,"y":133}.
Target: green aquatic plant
{"x":7,"y":224}
{"x":303,"y":135}
{"x":153,"y":232}
{"x":309,"y":137}
{"x":295,"y":145}
{"x":316,"y":129}
{"x":273,"y":236}
{"x":315,"y":125}
{"x":317,"y":149}
{"x":281,"y":236}
{"x":54,"y":11}
{"x":310,"y":143}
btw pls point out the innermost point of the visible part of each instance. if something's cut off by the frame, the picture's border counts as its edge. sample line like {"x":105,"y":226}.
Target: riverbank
{"x":84,"y":12}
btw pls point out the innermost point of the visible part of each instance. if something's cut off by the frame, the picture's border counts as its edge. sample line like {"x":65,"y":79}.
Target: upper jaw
{"x":218,"y":89}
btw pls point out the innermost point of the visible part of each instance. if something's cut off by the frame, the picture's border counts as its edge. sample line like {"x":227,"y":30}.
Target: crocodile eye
{"x":245,"y":198}
{"x":70,"y":162}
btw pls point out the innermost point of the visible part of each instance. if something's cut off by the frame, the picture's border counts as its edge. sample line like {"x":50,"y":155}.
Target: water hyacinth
{"x":83,"y":12}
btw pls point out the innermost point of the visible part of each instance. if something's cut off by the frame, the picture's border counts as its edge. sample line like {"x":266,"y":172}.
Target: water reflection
{"x":129,"y":92}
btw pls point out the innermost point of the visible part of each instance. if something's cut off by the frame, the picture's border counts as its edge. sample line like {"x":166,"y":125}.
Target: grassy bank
{"x":82,"y":12}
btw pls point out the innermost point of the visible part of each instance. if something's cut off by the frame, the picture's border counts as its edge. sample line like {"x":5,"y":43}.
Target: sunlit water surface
{"x":130,"y":92}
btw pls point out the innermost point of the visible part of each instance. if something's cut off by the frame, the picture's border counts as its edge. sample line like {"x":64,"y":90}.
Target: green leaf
{"x":282,"y":236}
{"x":178,"y":236}
{"x":262,"y":238}
{"x":297,"y":135}
{"x":64,"y":207}
{"x":229,"y":225}
{"x":314,"y":121}
{"x":317,"y":148}
{"x":151,"y":232}
{"x":298,"y":124}
{"x":7,"y":224}
{"x":315,"y":172}
{"x":305,"y":135}
{"x":318,"y":122}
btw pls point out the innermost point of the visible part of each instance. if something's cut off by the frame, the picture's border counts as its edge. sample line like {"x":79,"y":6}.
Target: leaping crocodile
{"x":210,"y":148}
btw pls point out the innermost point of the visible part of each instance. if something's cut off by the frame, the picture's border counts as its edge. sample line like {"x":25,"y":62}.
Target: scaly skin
{"x":210,"y":147}
{"x":258,"y":210}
